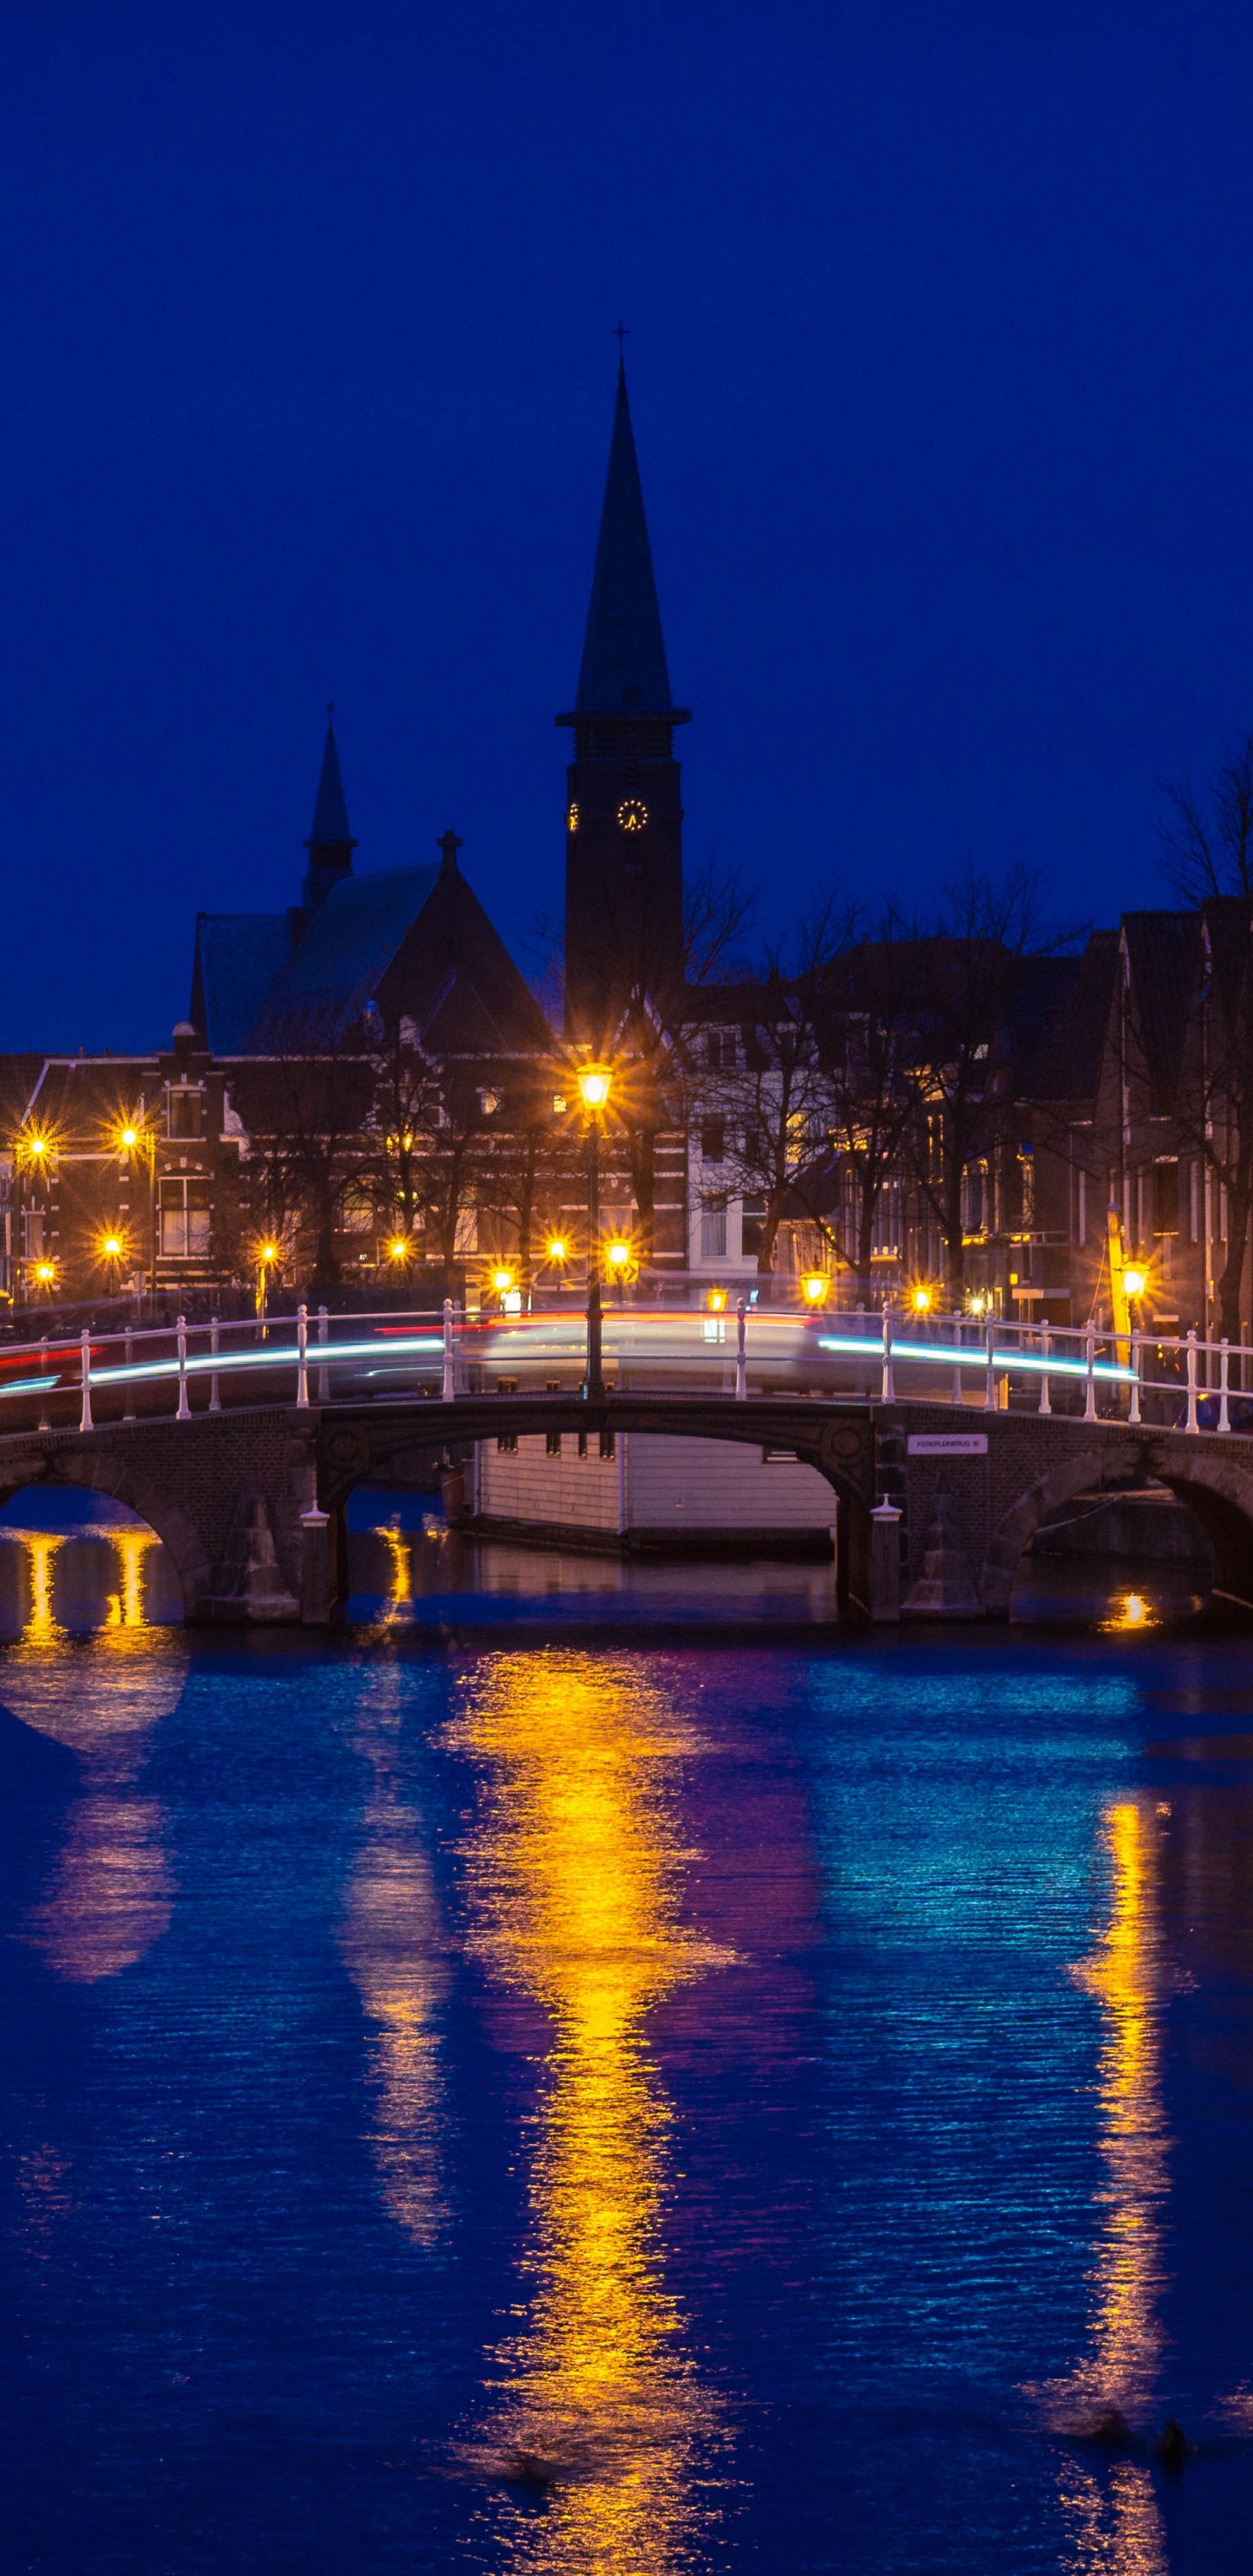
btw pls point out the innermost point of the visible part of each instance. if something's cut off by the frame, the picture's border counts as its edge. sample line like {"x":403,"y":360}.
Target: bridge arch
{"x":1218,"y":1490}
{"x":383,"y":1447}
{"x":105,"y":1472}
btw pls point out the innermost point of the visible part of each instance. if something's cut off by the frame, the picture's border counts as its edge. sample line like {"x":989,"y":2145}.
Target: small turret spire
{"x":330,"y":844}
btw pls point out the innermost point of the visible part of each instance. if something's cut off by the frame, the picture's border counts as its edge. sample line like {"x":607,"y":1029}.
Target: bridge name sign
{"x":948,"y":1444}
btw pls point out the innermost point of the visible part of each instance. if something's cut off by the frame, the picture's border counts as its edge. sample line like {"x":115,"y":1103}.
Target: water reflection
{"x":110,"y":1895}
{"x":1115,"y":2519}
{"x":393,"y":1943}
{"x":576,"y":1874}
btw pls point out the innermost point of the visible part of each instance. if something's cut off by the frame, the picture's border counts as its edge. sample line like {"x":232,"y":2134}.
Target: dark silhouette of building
{"x":624,"y":818}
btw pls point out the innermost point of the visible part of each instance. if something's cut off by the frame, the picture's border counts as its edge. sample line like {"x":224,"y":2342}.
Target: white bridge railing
{"x":688,"y":1343}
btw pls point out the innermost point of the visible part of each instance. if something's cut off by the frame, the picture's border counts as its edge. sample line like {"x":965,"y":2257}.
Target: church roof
{"x":330,"y":813}
{"x":239,"y":956}
{"x":624,"y":656}
{"x":342,"y":958}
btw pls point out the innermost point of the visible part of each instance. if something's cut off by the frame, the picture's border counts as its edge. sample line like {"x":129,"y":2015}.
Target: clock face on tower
{"x":632,"y":817}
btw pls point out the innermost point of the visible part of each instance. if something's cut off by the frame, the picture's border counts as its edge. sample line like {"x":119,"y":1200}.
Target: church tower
{"x":624,"y":858}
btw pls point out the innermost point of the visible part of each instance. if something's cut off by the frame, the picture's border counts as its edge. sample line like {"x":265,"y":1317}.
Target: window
{"x":552,"y":1444}
{"x":489,"y":1103}
{"x":713,"y":1140}
{"x":754,"y":1224}
{"x":184,"y":1220}
{"x":713,"y":1232}
{"x":559,"y":1104}
{"x":1165,"y":1198}
{"x":507,"y":1443}
{"x":885,"y":1233}
{"x":1194,"y":1203}
{"x":186,"y":1113}
{"x":608,"y":1444}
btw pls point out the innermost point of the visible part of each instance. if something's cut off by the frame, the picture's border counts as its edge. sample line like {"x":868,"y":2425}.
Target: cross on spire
{"x":449,"y":843}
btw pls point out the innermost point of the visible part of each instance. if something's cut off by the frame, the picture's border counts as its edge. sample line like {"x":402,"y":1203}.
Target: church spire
{"x":624,"y":655}
{"x":330,"y":844}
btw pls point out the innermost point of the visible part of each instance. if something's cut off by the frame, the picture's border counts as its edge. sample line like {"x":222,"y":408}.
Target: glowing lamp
{"x":130,"y":1136}
{"x":38,"y":1147}
{"x":502,"y":1282}
{"x":45,"y":1273}
{"x":717,"y":1300}
{"x":269,"y":1252}
{"x":112,"y":1248}
{"x":558,"y":1248}
{"x":921,"y":1301}
{"x":814,"y":1287}
{"x":1135,"y":1282}
{"x":617,"y":1255}
{"x":397,"y":1248}
{"x":594,"y":1082}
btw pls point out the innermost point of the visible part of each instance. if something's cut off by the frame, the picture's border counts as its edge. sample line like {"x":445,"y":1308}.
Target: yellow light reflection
{"x":400,"y":1571}
{"x":393,"y":1943}
{"x":576,"y":1881}
{"x":1114,"y":2520}
{"x":109,"y":1897}
{"x":1129,"y":1610}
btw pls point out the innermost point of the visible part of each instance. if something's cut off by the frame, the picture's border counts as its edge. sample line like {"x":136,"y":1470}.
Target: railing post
{"x":594,"y":1381}
{"x":85,"y":1346}
{"x":888,"y":1389}
{"x":184,"y":1409}
{"x":1224,"y":1417}
{"x":741,"y":1354}
{"x":302,"y":1359}
{"x":1133,"y":1409}
{"x":215,"y":1391}
{"x":129,"y":1398}
{"x":449,"y":1386}
{"x":1089,"y":1410}
{"x":1193,"y":1423}
{"x":324,"y":1374}
{"x":989,"y":1390}
{"x":1046,"y":1401}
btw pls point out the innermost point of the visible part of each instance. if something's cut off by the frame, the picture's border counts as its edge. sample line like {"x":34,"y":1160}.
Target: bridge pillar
{"x":885,"y":1563}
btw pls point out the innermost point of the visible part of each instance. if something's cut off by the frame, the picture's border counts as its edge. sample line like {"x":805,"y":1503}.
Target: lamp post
{"x":594,"y":1081}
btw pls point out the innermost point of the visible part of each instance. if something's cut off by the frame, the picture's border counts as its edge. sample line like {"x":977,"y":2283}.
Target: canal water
{"x":601,"y":2110}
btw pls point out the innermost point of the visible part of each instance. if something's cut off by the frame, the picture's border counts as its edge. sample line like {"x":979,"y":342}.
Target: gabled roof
{"x":1068,"y":1064}
{"x":1227,"y":924}
{"x":239,"y":957}
{"x":342,"y":958}
{"x":1163,"y":951}
{"x":624,"y":656}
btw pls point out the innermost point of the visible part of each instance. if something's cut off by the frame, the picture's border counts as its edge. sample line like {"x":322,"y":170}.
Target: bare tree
{"x":1208,"y":844}
{"x":775,"y":1108}
{"x":964,"y":966}
{"x":657,"y":1081}
{"x":307,"y":1115}
{"x":1207,"y":840}
{"x":870,"y":1086}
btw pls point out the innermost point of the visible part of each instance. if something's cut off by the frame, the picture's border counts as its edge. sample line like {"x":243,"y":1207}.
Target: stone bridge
{"x":249,"y":1502}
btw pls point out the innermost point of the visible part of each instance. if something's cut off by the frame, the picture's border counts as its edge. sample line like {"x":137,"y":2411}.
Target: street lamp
{"x":920,"y":1300}
{"x":1135,"y":1282}
{"x":815,"y":1287}
{"x":267,"y":1255}
{"x":594,"y":1081}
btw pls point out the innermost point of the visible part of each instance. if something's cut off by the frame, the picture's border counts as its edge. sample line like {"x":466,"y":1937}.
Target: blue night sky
{"x":942,"y":376}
